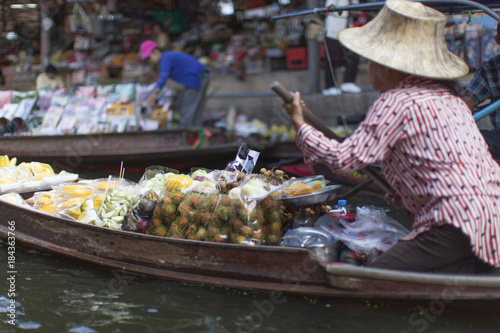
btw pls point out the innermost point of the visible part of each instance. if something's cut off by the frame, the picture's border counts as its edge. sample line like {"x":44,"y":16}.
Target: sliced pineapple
{"x":71,"y":202}
{"x":76,"y":190}
{"x":175,"y":182}
{"x":74,"y":211}
{"x":48,"y":209}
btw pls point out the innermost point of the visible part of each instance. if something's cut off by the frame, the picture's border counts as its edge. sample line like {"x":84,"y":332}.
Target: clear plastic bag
{"x":139,"y":216}
{"x":217,"y":218}
{"x":371,"y":233}
{"x":245,"y":160}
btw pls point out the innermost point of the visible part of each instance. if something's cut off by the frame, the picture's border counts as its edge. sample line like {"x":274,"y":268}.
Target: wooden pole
{"x":313,"y":58}
{"x":44,"y":34}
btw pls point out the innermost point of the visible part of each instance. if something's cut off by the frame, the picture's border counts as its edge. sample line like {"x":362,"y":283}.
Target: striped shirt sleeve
{"x":370,"y":143}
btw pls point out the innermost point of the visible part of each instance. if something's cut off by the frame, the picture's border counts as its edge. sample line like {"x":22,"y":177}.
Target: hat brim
{"x":403,"y":58}
{"x":408,"y":37}
{"x":146,"y":55}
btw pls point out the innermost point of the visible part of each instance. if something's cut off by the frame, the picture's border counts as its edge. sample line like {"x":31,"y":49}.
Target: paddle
{"x":312,"y":120}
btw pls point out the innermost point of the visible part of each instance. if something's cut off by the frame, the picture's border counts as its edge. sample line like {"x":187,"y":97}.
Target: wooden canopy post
{"x":313,"y":58}
{"x":44,"y":34}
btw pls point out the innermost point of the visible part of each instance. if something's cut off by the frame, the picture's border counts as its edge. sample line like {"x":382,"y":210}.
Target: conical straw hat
{"x":409,"y":37}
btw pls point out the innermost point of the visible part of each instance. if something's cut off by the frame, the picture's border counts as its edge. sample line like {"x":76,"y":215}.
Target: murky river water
{"x":55,"y":295}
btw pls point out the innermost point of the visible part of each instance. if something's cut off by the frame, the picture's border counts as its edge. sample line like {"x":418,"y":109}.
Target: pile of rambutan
{"x":217,"y":218}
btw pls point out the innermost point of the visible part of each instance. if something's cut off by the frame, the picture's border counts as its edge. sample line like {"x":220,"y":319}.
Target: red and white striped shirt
{"x":431,"y":151}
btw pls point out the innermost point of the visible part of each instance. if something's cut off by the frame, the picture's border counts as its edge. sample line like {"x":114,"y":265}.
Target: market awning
{"x":451,"y":6}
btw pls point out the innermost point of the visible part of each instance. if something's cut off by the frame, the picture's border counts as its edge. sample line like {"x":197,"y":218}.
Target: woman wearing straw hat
{"x":424,"y":138}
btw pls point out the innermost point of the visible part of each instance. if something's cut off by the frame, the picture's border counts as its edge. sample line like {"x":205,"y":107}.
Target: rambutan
{"x":265,"y":230}
{"x":259,"y":214}
{"x":195,"y":200}
{"x":226,"y":200}
{"x":259,"y":235}
{"x":233,"y":237}
{"x":182,"y":221}
{"x":167,"y":210}
{"x":160,"y":231}
{"x":275,"y":227}
{"x":246,"y":231}
{"x":223,"y":212}
{"x":274,"y":215}
{"x":225,"y":230}
{"x":166,"y":200}
{"x":192,"y":230}
{"x":268,"y":202}
{"x":241,"y":239}
{"x":155,"y":222}
{"x":219,"y":238}
{"x":157,"y":211}
{"x":185,"y":209}
{"x":210,"y":203}
{"x":272,"y":239}
{"x":237,"y":224}
{"x":177,"y":197}
{"x":212,"y":231}
{"x":174,"y":229}
{"x":243,"y":214}
{"x":198,"y":217}
{"x":201,"y":234}
{"x":239,"y":204}
{"x":207,"y":218}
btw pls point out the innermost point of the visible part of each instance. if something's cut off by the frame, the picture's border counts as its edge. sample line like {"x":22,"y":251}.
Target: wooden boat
{"x":104,"y":152}
{"x":276,"y":269}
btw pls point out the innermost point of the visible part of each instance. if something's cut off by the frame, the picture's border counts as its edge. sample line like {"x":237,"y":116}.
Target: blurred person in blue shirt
{"x":185,"y":70}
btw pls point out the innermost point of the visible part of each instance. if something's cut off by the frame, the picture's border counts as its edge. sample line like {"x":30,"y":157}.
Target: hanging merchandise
{"x":79,"y":21}
{"x":315,"y":29}
{"x":107,"y":22}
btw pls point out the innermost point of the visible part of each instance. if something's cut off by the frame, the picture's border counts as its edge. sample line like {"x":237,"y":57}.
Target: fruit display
{"x":224,"y":206}
{"x":29,"y":176}
{"x":217,"y":218}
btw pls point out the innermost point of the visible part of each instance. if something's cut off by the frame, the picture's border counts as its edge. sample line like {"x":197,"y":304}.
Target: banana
{"x":13,"y":161}
{"x":4,"y":161}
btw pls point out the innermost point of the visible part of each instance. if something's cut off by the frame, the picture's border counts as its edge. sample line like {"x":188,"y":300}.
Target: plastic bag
{"x":139,"y":216}
{"x":5,"y":97}
{"x":117,"y":202}
{"x":18,"y":96}
{"x":85,"y":92}
{"x":105,"y":90}
{"x":154,"y":177}
{"x":245,"y":160}
{"x":217,"y":218}
{"x":126,"y":91}
{"x":372,"y":232}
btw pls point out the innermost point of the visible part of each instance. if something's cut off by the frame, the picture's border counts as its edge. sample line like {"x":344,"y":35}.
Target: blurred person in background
{"x":184,"y":69}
